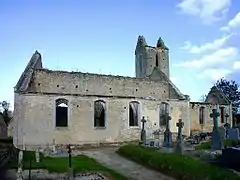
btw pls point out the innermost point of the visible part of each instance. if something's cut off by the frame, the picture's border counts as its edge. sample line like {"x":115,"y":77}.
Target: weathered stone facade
{"x":39,"y":89}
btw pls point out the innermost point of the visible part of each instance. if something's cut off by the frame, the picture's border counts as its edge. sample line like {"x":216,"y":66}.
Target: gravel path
{"x":130,"y":169}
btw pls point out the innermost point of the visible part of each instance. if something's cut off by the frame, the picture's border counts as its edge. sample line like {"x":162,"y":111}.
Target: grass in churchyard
{"x":175,"y":165}
{"x":60,"y":164}
{"x":207,"y":145}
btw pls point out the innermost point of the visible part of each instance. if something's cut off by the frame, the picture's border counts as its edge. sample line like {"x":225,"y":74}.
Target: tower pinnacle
{"x":161,"y":44}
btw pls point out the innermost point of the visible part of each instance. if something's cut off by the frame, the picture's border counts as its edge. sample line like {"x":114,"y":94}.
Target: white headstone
{"x":233,"y":134}
{"x":54,"y":147}
{"x":149,"y":129}
{"x":37,"y":156}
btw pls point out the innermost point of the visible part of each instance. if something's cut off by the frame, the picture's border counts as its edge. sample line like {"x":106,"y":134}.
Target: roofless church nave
{"x":84,"y":108}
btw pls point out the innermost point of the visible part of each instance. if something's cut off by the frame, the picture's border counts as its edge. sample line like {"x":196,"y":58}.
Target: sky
{"x":100,"y":37}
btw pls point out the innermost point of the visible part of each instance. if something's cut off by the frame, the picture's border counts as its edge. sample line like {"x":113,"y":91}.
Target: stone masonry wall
{"x":208,"y":123}
{"x":35,"y":120}
{"x":46,"y":81}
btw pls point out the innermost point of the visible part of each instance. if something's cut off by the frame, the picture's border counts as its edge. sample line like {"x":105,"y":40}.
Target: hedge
{"x":207,"y":145}
{"x":175,"y":165}
{"x":6,"y":140}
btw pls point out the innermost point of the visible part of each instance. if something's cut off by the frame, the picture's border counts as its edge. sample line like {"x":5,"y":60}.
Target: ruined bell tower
{"x":148,"y":57}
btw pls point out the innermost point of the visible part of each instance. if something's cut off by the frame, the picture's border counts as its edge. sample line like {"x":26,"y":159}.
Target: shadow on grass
{"x":80,"y":163}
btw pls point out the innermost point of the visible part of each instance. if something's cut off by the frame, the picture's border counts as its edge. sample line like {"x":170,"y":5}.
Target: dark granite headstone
{"x":217,"y":143}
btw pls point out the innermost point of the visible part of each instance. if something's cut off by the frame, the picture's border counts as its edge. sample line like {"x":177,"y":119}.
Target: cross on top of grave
{"x":227,"y":116}
{"x":167,"y":118}
{"x":214,"y":114}
{"x":180,"y":124}
{"x":143,"y":120}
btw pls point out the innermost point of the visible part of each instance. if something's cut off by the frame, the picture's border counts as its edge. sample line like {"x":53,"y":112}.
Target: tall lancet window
{"x":134,"y":113}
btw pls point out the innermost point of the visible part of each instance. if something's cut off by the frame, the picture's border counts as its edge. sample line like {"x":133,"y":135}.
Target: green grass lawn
{"x":60,"y":164}
{"x":175,"y":165}
{"x":207,"y":145}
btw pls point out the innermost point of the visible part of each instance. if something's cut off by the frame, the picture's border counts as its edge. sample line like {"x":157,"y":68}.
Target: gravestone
{"x":222,"y":133}
{"x":54,"y":151}
{"x":148,"y":127}
{"x":233,"y":134}
{"x":37,"y":156}
{"x":230,"y":158}
{"x":143,"y":131}
{"x":167,"y":134}
{"x":226,"y":126}
{"x":70,"y":170}
{"x":217,"y":143}
{"x":20,"y":166}
{"x":179,"y":148}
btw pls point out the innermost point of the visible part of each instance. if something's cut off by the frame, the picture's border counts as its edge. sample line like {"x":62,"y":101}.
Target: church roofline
{"x":95,"y":74}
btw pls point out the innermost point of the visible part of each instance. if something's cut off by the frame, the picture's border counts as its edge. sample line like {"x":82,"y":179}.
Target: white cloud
{"x":214,"y":74}
{"x":236,"y":65}
{"x":216,"y":44}
{"x":207,"y":10}
{"x":233,"y":23}
{"x":173,"y":79}
{"x":219,"y":57}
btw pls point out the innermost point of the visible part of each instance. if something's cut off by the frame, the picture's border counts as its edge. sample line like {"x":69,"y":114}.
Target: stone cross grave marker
{"x":227,"y":126}
{"x":233,"y":134}
{"x":179,"y":148}
{"x":167,"y":133}
{"x":217,"y":143}
{"x":143,"y":131}
{"x":180,"y":125}
{"x":70,"y":170}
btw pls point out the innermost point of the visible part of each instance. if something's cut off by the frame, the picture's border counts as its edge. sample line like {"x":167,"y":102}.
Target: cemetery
{"x":36,"y":165}
{"x":212,"y":155}
{"x":217,"y":158}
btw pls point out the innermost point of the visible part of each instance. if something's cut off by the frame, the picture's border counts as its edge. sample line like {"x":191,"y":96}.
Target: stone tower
{"x":147,"y":58}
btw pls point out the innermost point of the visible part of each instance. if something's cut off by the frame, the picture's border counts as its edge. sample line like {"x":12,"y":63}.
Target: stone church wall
{"x":67,"y":83}
{"x":35,"y":120}
{"x":208,"y":121}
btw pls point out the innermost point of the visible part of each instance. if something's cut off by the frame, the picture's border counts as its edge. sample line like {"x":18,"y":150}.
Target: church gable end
{"x":215,"y":96}
{"x":174,"y":92}
{"x":25,"y":79}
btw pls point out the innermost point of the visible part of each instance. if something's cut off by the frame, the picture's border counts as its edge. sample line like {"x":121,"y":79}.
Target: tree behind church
{"x":6,"y":116}
{"x":232,"y":91}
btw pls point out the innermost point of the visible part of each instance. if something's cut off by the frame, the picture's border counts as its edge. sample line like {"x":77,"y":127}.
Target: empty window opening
{"x":134,"y":113}
{"x":99,"y":113}
{"x":222,"y":110}
{"x":201,"y":115}
{"x":57,"y":85}
{"x":163,"y":113}
{"x":61,"y":112}
{"x":156,"y":60}
{"x":76,"y":86}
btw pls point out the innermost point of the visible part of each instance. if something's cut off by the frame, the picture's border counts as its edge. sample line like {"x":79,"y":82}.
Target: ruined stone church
{"x":60,"y":107}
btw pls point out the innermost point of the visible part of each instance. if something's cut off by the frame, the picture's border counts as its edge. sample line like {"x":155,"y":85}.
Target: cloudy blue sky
{"x":100,"y":37}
